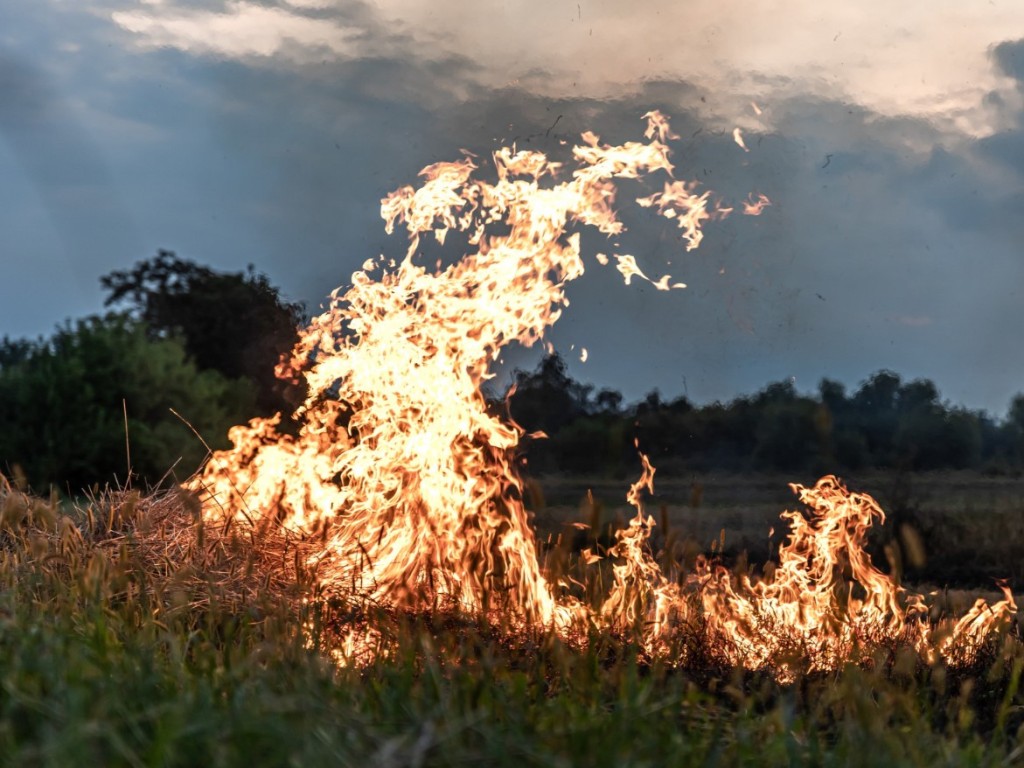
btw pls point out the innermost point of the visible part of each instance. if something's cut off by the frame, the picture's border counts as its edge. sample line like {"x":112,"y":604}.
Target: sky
{"x":889,"y":137}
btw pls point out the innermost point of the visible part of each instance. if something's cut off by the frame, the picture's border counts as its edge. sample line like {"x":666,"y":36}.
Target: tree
{"x":608,"y":402}
{"x":13,"y":351}
{"x":934,"y":438}
{"x":833,"y":396}
{"x":1012,"y":431}
{"x":844,"y":443}
{"x":548,"y":398}
{"x":233,"y":323}
{"x":788,"y":429}
{"x":918,"y":395}
{"x":63,"y":406}
{"x":876,"y":417}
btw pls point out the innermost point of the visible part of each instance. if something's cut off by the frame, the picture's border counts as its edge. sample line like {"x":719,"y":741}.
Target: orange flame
{"x":824,"y":605}
{"x":408,"y":478}
{"x":752,"y":207}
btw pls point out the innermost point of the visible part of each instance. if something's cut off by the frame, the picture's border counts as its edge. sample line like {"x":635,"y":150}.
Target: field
{"x":131,"y":636}
{"x":970,"y":527}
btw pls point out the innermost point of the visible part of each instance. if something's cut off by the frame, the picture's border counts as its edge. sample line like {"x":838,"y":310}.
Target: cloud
{"x":1009,"y":57}
{"x":315,"y":5}
{"x":241,"y":29}
{"x":914,"y":321}
{"x":53,"y":148}
{"x":896,"y":66}
{"x":61,"y":211}
{"x":869,"y":232}
{"x":833,"y":280}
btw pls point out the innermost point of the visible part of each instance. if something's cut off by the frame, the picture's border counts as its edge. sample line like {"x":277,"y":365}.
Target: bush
{"x":63,"y":406}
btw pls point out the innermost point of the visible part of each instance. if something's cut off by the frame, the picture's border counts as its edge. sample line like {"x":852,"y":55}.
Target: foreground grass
{"x":108,"y":657}
{"x":93,"y":689}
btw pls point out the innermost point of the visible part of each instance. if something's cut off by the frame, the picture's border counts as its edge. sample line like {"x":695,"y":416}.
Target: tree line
{"x":142,"y":393}
{"x":886,"y":423}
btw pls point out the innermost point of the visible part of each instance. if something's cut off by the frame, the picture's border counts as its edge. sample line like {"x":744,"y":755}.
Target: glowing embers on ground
{"x":407,"y":478}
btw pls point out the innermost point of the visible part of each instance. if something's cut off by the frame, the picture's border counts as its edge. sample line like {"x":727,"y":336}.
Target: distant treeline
{"x":191,"y":352}
{"x":886,"y":423}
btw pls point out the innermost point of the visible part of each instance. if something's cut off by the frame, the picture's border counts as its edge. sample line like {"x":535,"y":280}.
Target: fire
{"x":825,"y":600}
{"x":755,"y":207}
{"x":406,"y":477}
{"x":737,"y":136}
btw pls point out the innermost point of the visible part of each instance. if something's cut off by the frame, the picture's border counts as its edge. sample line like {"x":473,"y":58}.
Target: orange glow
{"x":408,"y":479}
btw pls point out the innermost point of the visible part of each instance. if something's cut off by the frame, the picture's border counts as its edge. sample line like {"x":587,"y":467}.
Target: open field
{"x":969,"y":526}
{"x":130,"y":636}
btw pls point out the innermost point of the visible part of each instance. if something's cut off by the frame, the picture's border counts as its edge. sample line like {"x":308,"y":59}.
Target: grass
{"x":130,"y":635}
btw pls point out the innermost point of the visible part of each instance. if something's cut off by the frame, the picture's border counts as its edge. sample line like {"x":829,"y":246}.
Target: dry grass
{"x":153,"y":550}
{"x":156,"y":550}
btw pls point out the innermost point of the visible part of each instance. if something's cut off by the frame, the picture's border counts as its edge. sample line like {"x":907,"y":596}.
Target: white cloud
{"x":311,"y":5}
{"x":916,"y":58}
{"x":244,"y":29}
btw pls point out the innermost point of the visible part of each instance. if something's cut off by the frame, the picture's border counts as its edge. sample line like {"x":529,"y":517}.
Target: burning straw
{"x":152,"y":553}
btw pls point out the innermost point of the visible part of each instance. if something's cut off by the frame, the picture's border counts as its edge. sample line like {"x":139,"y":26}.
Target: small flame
{"x":626,"y":264}
{"x":679,"y":201}
{"x":754,"y":207}
{"x":737,"y":136}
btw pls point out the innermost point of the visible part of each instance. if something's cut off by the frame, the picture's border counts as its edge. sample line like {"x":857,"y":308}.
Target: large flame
{"x":408,"y":477}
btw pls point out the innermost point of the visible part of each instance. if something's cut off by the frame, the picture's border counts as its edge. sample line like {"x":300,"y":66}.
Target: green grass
{"x":114,"y":652}
{"x":95,"y":689}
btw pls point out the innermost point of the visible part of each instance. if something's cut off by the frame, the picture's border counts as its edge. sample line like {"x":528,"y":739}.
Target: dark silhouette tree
{"x":876,"y":416}
{"x":234,"y":323}
{"x":886,"y":424}
{"x":1012,"y":432}
{"x":548,"y":398}
{"x":13,"y":351}
{"x":787,"y":429}
{"x":608,"y":402}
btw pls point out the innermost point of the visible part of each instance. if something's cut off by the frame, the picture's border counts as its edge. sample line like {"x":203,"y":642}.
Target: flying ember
{"x":407,"y":478}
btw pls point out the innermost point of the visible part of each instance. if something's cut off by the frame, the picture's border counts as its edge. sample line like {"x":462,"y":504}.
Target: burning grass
{"x":132,"y":632}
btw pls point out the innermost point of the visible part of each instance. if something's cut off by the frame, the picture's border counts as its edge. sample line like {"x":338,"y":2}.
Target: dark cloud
{"x":1009,"y":58}
{"x":822,"y":284}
